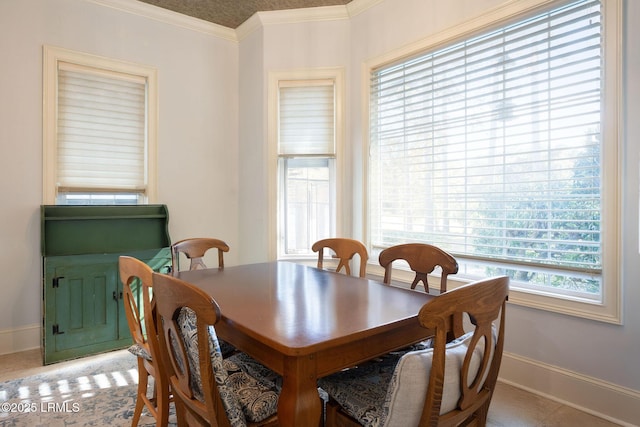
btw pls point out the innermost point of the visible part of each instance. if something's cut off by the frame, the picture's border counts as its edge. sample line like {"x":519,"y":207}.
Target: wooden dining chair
{"x":422,"y":259}
{"x":195,"y":249}
{"x":344,"y":250}
{"x":450,"y":384}
{"x":137,"y":280}
{"x":208,"y":389}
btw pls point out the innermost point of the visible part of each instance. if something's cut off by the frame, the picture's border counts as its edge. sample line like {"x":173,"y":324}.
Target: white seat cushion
{"x":408,"y":385}
{"x":391,"y":393}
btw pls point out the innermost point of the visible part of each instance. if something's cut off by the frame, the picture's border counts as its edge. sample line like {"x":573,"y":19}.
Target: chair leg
{"x":181,"y":416}
{"x":331,"y":413}
{"x":143,"y":381}
{"x":482,"y":414}
{"x":323,"y":405}
{"x":337,"y":418}
{"x":162,"y":404}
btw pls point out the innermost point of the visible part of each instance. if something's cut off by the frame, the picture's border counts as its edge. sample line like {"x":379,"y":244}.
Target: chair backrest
{"x":173,"y":296}
{"x":136,"y":277}
{"x":422,"y":259}
{"x":485,"y":303}
{"x":344,"y":250}
{"x":194,"y":249}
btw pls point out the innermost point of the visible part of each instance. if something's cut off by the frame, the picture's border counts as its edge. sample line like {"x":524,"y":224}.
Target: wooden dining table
{"x":305,"y":323}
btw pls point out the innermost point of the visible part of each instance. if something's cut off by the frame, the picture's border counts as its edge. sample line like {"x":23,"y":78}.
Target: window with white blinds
{"x":101,"y":130}
{"x":492,"y":148}
{"x":97,"y":129}
{"x":307,"y":118}
{"x":306,"y":164}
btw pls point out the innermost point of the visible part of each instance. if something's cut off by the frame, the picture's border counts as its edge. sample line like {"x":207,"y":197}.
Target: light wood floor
{"x":510,"y":407}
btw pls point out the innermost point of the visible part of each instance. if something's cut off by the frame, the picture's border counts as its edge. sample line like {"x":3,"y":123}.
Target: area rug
{"x":96,"y":391}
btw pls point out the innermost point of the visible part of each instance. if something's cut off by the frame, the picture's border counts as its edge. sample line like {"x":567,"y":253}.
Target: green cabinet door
{"x":83,"y":303}
{"x":86,"y":305}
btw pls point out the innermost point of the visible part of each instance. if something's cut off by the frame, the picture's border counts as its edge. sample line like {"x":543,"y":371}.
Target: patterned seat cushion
{"x":249,"y":391}
{"x":391,"y":392}
{"x":140,"y":351}
{"x":254,"y":388}
{"x":361,"y":391}
{"x":226,"y":349}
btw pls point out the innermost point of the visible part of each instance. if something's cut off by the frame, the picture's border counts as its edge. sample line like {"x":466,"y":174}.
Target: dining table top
{"x":300,"y":309}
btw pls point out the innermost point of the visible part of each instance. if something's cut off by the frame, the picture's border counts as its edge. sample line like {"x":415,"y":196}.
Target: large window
{"x":493,"y":147}
{"x":306,"y":139}
{"x":98,"y":136}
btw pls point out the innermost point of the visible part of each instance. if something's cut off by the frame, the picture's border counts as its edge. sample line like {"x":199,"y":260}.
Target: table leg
{"x":299,"y":402}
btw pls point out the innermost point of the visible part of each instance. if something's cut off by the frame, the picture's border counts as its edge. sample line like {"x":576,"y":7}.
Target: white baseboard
{"x":21,"y":339}
{"x":597,"y":397}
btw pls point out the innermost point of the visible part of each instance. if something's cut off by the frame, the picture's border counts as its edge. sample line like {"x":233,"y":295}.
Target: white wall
{"x":253,"y":146}
{"x":197,"y":136}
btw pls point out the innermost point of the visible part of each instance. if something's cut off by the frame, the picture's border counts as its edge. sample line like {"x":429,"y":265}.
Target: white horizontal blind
{"x":491,"y":148}
{"x":101,"y":130}
{"x":306,"y":118}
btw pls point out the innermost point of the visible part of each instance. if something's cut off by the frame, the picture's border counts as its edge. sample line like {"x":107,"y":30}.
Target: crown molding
{"x":249,"y":26}
{"x":324,"y":13}
{"x":169,"y":17}
{"x":356,"y":7}
{"x":255,"y":22}
{"x":291,"y":16}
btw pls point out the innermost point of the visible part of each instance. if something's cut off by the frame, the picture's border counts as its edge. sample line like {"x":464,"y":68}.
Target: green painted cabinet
{"x":83,"y":310}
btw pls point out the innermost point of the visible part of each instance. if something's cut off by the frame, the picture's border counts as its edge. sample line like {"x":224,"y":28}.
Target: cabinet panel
{"x":80,"y":230}
{"x":85,"y":305}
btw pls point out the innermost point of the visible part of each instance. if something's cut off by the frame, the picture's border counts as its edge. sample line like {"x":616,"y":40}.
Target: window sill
{"x":608,"y":312}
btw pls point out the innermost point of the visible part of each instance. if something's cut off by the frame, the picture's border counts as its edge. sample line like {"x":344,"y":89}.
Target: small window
{"x":306,"y":163}
{"x":99,"y":137}
{"x":305,"y":122}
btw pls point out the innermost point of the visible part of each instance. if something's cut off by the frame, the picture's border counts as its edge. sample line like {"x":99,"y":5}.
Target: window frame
{"x":51,"y":57}
{"x":335,"y":74}
{"x":610,"y":309}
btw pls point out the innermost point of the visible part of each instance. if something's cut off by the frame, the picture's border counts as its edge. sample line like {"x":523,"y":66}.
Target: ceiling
{"x":232,"y":13}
